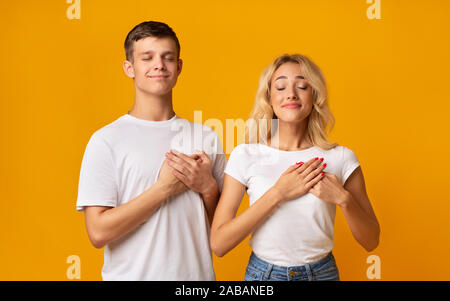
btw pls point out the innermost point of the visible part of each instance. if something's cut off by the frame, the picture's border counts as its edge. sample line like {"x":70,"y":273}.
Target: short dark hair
{"x":149,"y":29}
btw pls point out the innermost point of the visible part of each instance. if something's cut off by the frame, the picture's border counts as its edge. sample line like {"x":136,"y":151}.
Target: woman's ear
{"x":128,"y":69}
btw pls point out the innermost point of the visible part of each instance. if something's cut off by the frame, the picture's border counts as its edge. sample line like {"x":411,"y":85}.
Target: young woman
{"x":294,"y":180}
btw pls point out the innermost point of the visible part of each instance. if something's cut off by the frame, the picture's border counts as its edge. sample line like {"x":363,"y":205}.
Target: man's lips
{"x":293,"y":105}
{"x":158,"y":76}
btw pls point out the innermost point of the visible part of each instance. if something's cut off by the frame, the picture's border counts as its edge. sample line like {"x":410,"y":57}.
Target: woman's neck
{"x":291,"y":136}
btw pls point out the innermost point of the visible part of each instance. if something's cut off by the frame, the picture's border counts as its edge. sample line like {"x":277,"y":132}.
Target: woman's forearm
{"x":231,"y":233}
{"x":364,"y":228}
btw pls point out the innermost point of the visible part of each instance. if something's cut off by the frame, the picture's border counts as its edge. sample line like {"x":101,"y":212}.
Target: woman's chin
{"x":291,"y":118}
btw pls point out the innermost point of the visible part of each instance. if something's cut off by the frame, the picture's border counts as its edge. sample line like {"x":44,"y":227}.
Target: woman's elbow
{"x":374,"y":243}
{"x":371,"y":247}
{"x":218,"y":252}
{"x":215,"y":247}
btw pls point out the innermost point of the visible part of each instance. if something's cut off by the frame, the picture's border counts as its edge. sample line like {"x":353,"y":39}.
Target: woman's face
{"x":291,"y":96}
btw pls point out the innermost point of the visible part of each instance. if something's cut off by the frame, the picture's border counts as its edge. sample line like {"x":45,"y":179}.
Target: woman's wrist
{"x":345,"y":199}
{"x":277,"y":195}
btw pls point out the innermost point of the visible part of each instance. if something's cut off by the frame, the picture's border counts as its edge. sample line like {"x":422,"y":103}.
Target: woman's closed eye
{"x":302,"y":88}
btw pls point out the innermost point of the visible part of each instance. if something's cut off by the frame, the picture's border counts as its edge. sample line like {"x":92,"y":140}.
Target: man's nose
{"x":159,"y":63}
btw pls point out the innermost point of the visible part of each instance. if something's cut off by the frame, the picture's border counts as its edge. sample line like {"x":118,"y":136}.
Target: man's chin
{"x":157,"y":92}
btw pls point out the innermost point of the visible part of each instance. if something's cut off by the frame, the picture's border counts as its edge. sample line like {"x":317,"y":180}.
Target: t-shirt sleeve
{"x":350,"y":163}
{"x":236,"y":165}
{"x":97,"y":184}
{"x":219,"y":163}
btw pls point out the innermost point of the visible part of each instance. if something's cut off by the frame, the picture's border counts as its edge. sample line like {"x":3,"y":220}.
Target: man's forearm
{"x":210,"y":198}
{"x":113,"y":223}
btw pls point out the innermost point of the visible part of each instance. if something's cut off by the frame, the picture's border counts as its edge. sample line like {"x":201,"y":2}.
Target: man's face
{"x":155,"y":68}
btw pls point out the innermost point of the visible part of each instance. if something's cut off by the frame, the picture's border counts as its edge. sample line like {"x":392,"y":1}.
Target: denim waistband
{"x":263,"y":265}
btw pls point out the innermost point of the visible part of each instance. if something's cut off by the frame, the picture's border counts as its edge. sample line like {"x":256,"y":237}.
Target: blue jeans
{"x":324,"y":269}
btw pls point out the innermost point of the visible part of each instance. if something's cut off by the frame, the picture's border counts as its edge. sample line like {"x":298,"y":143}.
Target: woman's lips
{"x":292,"y":106}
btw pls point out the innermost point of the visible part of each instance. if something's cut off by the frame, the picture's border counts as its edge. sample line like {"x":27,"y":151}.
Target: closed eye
{"x":303,"y":88}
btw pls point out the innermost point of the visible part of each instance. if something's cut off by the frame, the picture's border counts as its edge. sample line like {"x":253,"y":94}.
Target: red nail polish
{"x":316,"y":158}
{"x":324,"y":164}
{"x":322,"y":174}
{"x":299,"y":163}
{"x":321,"y":159}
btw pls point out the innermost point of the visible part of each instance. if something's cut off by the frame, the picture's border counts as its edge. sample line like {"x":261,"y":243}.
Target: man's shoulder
{"x":109,"y":131}
{"x":195,"y":125}
{"x":196,"y":129}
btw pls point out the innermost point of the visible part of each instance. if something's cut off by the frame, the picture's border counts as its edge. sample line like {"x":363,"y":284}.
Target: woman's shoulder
{"x":248,"y":151}
{"x":245,"y":148}
{"x":340,"y":151}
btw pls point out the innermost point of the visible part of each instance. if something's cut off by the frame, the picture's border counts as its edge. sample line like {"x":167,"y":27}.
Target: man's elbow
{"x":97,"y":240}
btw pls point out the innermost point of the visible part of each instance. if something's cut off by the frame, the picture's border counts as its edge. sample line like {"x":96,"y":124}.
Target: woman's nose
{"x":292,"y":93}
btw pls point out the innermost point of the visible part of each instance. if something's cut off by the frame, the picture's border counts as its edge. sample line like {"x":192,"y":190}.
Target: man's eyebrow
{"x":151,"y":51}
{"x":284,"y":77}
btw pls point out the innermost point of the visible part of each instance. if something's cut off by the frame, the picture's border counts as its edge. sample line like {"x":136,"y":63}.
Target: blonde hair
{"x":320,"y":121}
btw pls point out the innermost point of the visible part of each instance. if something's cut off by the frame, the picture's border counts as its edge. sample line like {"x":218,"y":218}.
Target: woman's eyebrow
{"x":284,"y":77}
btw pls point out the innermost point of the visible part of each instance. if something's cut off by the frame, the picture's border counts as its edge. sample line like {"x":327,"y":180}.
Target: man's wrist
{"x":165,"y":190}
{"x":211,"y":189}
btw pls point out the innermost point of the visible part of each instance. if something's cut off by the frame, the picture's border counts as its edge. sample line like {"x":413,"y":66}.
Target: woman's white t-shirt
{"x":298,"y":231}
{"x":121,"y":161}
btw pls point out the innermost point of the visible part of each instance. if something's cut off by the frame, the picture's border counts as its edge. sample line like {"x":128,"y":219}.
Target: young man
{"x":148,"y":194}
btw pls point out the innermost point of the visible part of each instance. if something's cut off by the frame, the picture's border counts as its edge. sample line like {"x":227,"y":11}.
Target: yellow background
{"x":62,"y":79}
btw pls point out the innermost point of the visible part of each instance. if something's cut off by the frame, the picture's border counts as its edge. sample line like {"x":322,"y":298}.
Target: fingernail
{"x":322,"y":174}
{"x":324,"y":164}
{"x":299,"y":163}
{"x":316,"y":158}
{"x":321,"y":159}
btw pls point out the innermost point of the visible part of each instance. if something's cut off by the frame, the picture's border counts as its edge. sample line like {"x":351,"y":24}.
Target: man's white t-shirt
{"x":298,"y":231}
{"x":121,"y":161}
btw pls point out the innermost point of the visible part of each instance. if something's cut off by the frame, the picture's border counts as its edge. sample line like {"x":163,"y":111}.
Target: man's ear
{"x":180,"y":66}
{"x":128,"y":68}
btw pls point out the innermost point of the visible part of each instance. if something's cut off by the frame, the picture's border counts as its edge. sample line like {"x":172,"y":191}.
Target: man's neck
{"x":152,"y":107}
